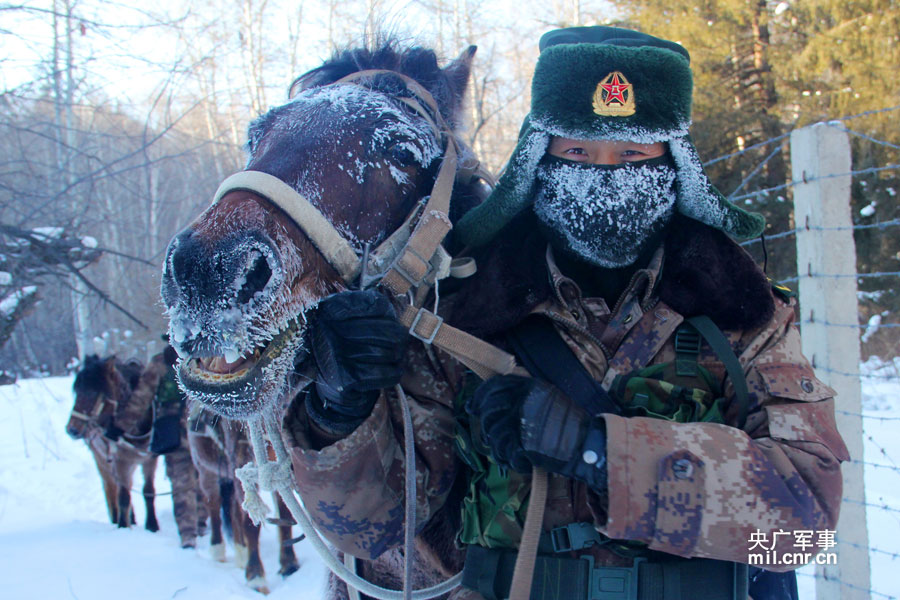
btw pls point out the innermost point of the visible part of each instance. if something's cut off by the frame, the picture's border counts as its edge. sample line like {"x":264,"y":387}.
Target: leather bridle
{"x":92,"y":416}
{"x":410,"y":256}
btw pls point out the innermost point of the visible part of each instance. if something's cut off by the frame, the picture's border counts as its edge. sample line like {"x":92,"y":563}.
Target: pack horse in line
{"x":101,"y":387}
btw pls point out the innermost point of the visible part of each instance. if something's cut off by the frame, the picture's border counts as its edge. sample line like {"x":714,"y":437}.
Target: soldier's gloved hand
{"x":358,"y":346}
{"x":528,"y":422}
{"x":113,"y":433}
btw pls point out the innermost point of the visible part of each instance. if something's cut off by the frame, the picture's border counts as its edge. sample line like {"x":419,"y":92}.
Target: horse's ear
{"x":458,"y":71}
{"x":456,"y":75}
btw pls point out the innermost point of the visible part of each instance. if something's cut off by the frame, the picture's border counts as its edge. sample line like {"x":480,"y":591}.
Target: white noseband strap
{"x":336,"y":250}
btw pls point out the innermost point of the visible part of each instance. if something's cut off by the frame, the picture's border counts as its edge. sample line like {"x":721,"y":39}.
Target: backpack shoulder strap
{"x":719,"y":344}
{"x":545,"y":355}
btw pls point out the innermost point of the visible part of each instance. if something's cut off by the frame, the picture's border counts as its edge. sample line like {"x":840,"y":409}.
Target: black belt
{"x":489,"y":572}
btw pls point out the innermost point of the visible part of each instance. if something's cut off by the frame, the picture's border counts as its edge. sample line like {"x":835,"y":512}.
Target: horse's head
{"x":240,"y":281}
{"x":99,"y":386}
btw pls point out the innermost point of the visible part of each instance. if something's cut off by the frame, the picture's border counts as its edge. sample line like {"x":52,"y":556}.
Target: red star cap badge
{"x":614,"y":96}
{"x":615,"y":90}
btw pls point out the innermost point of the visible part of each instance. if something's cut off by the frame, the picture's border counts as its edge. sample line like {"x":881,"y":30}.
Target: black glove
{"x":528,"y":422}
{"x":358,"y":346}
{"x":113,"y":433}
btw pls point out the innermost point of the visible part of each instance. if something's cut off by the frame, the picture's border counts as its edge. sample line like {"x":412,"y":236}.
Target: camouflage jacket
{"x":690,"y":489}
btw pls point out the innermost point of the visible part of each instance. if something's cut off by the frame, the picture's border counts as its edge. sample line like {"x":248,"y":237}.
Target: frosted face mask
{"x":605,"y":214}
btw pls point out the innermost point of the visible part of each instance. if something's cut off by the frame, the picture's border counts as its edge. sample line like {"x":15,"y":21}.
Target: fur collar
{"x":705,"y":273}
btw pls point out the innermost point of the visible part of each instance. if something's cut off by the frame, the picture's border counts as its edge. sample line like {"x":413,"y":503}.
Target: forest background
{"x":118,"y":123}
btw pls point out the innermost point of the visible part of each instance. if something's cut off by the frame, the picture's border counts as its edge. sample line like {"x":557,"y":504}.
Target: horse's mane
{"x":388,"y":53}
{"x":447,"y":86}
{"x":91,"y":376}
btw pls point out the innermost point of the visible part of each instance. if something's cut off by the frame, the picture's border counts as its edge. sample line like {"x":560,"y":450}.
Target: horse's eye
{"x":402,"y":155}
{"x":253,"y":141}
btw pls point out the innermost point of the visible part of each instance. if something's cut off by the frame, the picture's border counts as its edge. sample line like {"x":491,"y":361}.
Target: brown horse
{"x":100,"y":388}
{"x":240,"y":282}
{"x":218,"y":447}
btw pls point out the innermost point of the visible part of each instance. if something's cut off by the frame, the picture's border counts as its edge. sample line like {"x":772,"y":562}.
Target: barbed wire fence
{"x":871,"y":502}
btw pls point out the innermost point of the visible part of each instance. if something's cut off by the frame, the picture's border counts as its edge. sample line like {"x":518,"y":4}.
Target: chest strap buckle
{"x":575,"y":536}
{"x":687,"y":350}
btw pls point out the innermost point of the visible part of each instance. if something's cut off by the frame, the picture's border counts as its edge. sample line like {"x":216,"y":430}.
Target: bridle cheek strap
{"x":96,"y":410}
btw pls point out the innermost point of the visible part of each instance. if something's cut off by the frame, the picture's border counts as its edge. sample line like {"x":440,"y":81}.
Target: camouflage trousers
{"x":190,"y":510}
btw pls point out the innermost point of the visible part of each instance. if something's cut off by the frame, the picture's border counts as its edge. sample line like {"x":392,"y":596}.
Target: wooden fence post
{"x":829,"y":324}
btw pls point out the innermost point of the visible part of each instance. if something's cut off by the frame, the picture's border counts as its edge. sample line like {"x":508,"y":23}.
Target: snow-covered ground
{"x":56,"y":541}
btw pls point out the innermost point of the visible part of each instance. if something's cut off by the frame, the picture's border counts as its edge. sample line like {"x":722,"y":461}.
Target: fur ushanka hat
{"x":606,"y":83}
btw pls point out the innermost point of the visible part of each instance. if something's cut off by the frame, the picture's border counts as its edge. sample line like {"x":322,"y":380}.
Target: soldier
{"x":159,"y":387}
{"x":668,"y":397}
{"x":669,"y":402}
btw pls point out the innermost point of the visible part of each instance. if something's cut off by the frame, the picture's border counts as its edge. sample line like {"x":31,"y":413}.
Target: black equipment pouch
{"x":768,"y":585}
{"x":166,"y":436}
{"x":489,"y":571}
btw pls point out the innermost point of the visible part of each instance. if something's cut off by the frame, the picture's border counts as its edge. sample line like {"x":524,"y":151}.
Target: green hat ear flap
{"x":698,"y":199}
{"x":512,"y":194}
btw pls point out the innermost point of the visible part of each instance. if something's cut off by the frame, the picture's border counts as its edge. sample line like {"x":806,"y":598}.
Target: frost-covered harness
{"x":407,"y":264}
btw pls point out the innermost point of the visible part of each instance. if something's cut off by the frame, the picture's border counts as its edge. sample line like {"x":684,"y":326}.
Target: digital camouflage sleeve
{"x":354,"y":487}
{"x":703,"y":489}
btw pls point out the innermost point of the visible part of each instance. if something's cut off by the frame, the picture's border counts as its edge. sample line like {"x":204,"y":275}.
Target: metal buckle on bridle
{"x":366,"y":280}
{"x":429,"y":268}
{"x":412,"y":328}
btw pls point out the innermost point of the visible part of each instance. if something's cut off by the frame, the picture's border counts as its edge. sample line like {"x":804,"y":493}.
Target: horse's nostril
{"x":256,"y":277}
{"x":183,"y":251}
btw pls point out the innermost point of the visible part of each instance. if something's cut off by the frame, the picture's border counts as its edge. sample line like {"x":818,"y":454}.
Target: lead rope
{"x":276,"y":476}
{"x":350,"y":563}
{"x":409,"y":534}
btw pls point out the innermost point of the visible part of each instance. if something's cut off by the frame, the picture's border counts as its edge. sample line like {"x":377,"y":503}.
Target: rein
{"x":411,"y":257}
